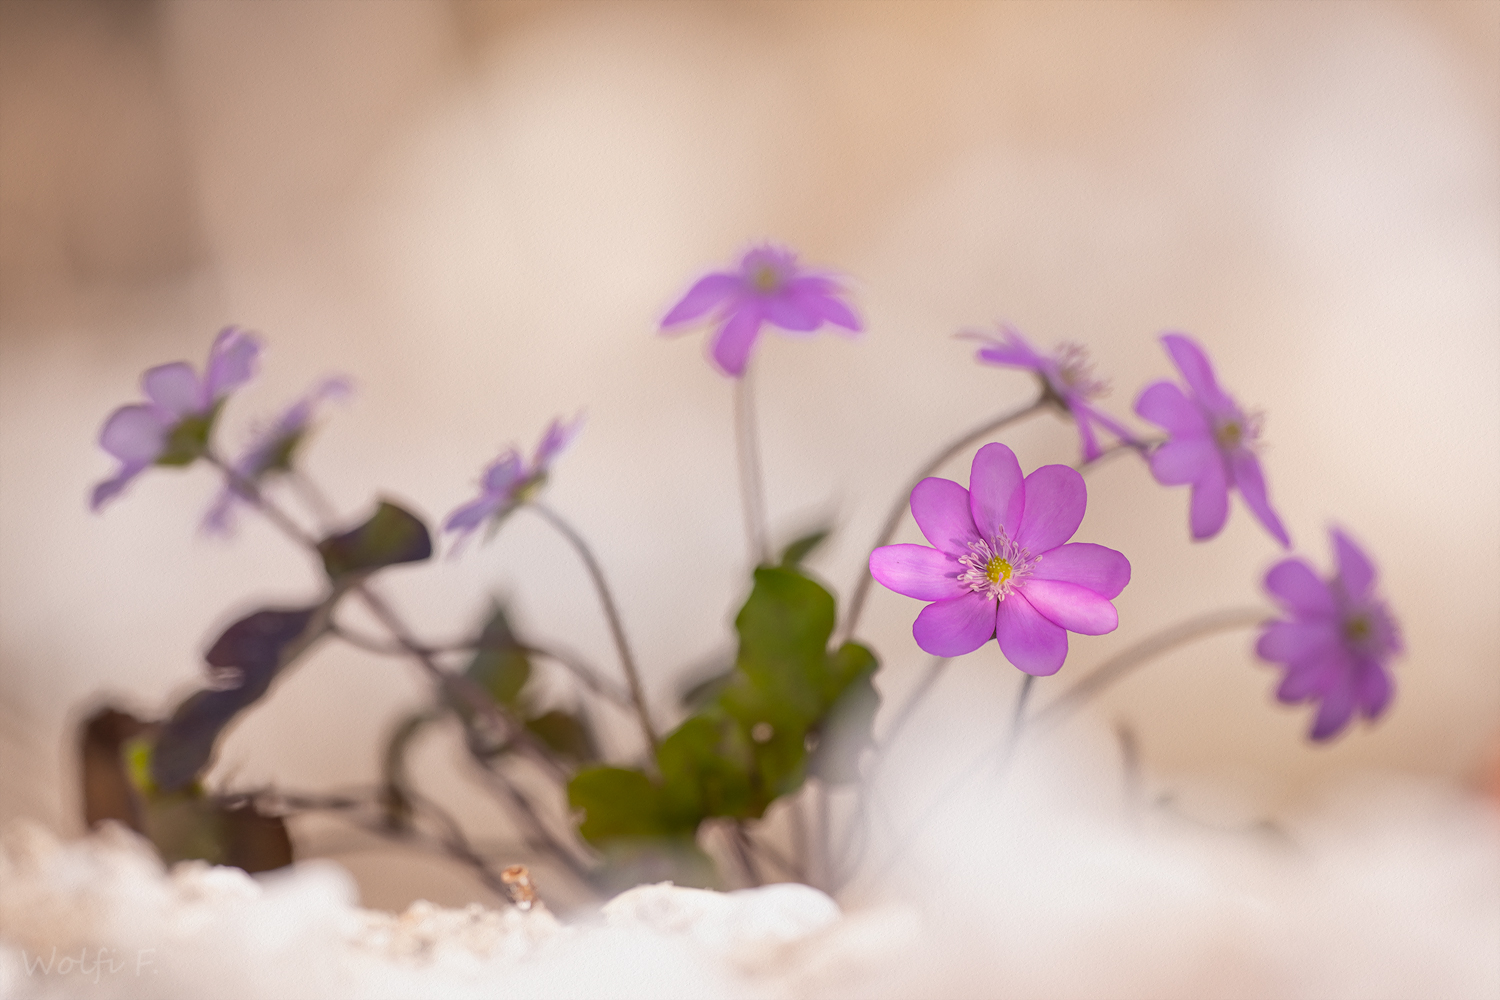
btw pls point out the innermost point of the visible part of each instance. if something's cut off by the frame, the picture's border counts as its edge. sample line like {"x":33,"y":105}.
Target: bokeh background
{"x":479,"y":211}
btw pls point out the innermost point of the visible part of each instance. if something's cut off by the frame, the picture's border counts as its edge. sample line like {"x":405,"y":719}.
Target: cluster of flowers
{"x":1001,"y":564}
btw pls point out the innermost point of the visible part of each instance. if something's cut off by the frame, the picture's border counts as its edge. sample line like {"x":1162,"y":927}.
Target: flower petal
{"x":1055,"y":501}
{"x":114,"y":486}
{"x":134,"y":434}
{"x":941,"y":509}
{"x":1184,"y":460}
{"x":706,"y":293}
{"x":790,"y":312}
{"x":231,"y":363}
{"x":1373,"y":689}
{"x":1028,"y":639}
{"x":1075,"y":608}
{"x":917,"y":571}
{"x":1011,"y":351}
{"x":1252,"y":486}
{"x":1298,"y":642}
{"x":1196,"y":369}
{"x":1356,"y":572}
{"x":557,"y":437}
{"x":834,"y":310}
{"x":472,"y":514}
{"x":1100,"y":569}
{"x":1209,"y":507}
{"x":1337,"y":709}
{"x":996,"y":499}
{"x":1308,"y":679}
{"x":956,"y":626}
{"x":1164,"y":404}
{"x":501,"y":476}
{"x":1298,"y":587}
{"x":219,"y":518}
{"x":731,"y":345}
{"x":1086,"y":437}
{"x":173,"y":387}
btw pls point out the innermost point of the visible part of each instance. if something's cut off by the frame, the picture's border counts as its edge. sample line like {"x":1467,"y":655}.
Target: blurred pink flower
{"x":1212,"y":443}
{"x":1337,"y":641}
{"x":769,"y":287}
{"x":508,"y":482}
{"x":1066,"y":378}
{"x":1002,"y":567}
{"x":172,"y":426}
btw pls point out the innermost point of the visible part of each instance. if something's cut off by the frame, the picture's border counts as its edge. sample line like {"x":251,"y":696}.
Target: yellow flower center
{"x":765,"y":279}
{"x":997,"y":570}
{"x":1230,"y":434}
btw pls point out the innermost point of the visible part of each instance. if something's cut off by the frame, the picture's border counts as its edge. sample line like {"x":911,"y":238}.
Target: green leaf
{"x":847,"y":729}
{"x":793,"y":555}
{"x":705,"y":771}
{"x":391,"y":536}
{"x":568,"y":735}
{"x":617,"y":802}
{"x":250,"y":653}
{"x":500,"y":662}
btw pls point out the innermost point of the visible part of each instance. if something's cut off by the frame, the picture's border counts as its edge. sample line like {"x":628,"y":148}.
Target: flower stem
{"x":898,"y":510}
{"x":1016,"y":719}
{"x":459,"y":689}
{"x":752,"y":489}
{"x":1144,"y":651}
{"x":612,"y":616}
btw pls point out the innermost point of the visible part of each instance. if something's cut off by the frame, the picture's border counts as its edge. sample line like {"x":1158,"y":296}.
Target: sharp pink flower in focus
{"x":1067,"y":379}
{"x":769,"y":287}
{"x":508,"y":482}
{"x":1336,"y":641}
{"x":172,"y":426}
{"x":1212,"y":443}
{"x":271,"y":451}
{"x":1001,"y":565}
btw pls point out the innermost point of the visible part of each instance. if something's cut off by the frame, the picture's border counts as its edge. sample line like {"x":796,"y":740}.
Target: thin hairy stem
{"x":918,"y":694}
{"x":611,"y":615}
{"x":1005,"y":751}
{"x":898,"y":509}
{"x":314,"y":499}
{"x":1143,"y":652}
{"x":851,"y":853}
{"x":752,"y":489}
{"x":744,"y":850}
{"x":568,"y":661}
{"x":801,"y":843}
{"x":538,"y":836}
{"x":1017,"y":719}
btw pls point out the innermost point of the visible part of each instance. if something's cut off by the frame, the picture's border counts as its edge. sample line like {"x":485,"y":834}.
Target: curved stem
{"x":752,"y":490}
{"x":1144,"y":651}
{"x":1017,"y":718}
{"x":848,"y":858}
{"x":569,"y":662}
{"x":898,"y":510}
{"x":611,"y":614}
{"x":924,"y":687}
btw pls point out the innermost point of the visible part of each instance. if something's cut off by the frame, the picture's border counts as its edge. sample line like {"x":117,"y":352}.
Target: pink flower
{"x":1002,"y":565}
{"x":271,"y":451}
{"x":1212,"y":443}
{"x":1337,"y":641}
{"x":768,"y":288}
{"x":508,"y":482}
{"x":1066,"y":380}
{"x":172,"y":426}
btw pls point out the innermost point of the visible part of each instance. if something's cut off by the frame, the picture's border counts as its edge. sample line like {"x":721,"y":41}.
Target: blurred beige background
{"x":479,"y":211}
